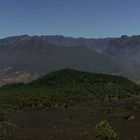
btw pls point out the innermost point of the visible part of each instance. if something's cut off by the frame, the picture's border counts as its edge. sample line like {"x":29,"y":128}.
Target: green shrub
{"x":105,"y":132}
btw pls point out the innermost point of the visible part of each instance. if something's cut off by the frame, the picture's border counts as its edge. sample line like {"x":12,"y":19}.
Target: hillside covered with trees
{"x":65,"y":88}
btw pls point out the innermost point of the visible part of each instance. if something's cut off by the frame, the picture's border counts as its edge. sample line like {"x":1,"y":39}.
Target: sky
{"x":75,"y":18}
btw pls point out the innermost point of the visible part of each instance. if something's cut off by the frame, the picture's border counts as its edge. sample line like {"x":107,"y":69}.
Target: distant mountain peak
{"x":124,"y":37}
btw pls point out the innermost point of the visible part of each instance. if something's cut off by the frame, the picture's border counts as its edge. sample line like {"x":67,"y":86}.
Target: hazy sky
{"x":80,"y":18}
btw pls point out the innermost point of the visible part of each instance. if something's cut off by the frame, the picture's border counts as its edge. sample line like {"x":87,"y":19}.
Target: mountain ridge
{"x":38,"y":55}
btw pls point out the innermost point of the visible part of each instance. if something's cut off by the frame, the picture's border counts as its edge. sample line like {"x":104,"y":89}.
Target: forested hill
{"x":66,"y":86}
{"x":73,"y":77}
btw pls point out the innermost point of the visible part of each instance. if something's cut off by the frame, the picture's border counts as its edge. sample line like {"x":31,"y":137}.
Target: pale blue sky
{"x":77,"y":18}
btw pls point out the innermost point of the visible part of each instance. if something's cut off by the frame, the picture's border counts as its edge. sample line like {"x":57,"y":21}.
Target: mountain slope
{"x":73,"y":77}
{"x":34,"y":56}
{"x":65,"y":87}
